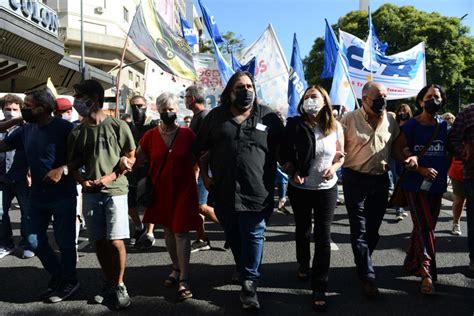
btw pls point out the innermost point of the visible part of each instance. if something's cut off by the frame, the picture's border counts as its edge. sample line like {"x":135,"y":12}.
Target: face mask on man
{"x":67,"y":117}
{"x":313,"y":105}
{"x":379,"y":105}
{"x":243,"y":99}
{"x":28,"y":115}
{"x":82,"y":106}
{"x":168,"y":117}
{"x":139,"y":115}
{"x":432,"y":106}
{"x":11,"y":114}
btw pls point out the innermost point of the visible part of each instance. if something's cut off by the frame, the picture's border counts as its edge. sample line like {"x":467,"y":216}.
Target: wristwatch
{"x":65,"y":170}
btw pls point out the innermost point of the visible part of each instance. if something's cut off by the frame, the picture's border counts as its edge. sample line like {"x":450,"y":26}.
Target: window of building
{"x":125,"y":14}
{"x":130,"y":75}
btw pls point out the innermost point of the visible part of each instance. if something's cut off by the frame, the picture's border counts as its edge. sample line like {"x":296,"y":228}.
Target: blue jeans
{"x":244,"y":232}
{"x":19,"y":190}
{"x":469,"y":189}
{"x":366,"y":199}
{"x":64,"y":224}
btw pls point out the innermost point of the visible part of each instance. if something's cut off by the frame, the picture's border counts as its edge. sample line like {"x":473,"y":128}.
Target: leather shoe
{"x":369,"y":287}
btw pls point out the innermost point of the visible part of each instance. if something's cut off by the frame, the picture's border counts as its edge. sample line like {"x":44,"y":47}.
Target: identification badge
{"x":261,"y":127}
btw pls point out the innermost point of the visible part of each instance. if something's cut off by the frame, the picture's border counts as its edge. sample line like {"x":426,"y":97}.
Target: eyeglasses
{"x":139,"y":105}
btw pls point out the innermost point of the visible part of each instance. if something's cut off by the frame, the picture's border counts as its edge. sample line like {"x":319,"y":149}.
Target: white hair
{"x":166,"y":99}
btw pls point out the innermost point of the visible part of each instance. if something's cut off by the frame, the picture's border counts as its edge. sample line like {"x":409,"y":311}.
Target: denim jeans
{"x":19,"y":190}
{"x":244,"y":232}
{"x":64,"y":224}
{"x":366,"y":199}
{"x":469,"y":189}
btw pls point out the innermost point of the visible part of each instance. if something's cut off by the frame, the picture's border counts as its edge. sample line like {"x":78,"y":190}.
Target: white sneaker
{"x":27,"y":254}
{"x":5,"y":252}
{"x":456,"y":230}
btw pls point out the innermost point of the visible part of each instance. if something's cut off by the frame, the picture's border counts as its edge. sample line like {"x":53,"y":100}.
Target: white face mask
{"x":312,"y":106}
{"x":67,"y":117}
{"x":11,"y":114}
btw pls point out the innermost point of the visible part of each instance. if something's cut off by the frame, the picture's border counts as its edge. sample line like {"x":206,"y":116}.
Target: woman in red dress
{"x":175,"y":204}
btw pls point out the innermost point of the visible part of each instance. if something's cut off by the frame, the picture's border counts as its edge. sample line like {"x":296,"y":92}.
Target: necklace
{"x":168,"y":133}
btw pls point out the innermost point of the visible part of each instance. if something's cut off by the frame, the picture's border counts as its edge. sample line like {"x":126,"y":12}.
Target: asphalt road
{"x":280,"y":292}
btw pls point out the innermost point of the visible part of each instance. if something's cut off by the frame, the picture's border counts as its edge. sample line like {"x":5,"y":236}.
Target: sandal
{"x":171,"y":280}
{"x":184,"y":292}
{"x":427,"y":288}
{"x":319,"y":297}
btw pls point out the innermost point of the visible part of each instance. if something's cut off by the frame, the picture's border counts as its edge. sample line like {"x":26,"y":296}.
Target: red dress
{"x":175,"y":202}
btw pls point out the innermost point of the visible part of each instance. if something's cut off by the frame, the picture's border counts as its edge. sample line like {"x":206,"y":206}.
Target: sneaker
{"x":53,"y":285}
{"x":27,"y":254}
{"x":399,"y":217}
{"x":200,"y":245}
{"x":283,"y":210}
{"x":145,"y":241}
{"x":65,"y":290}
{"x":136,"y":235}
{"x":121,"y":294}
{"x":456,"y":230}
{"x":248,"y":295}
{"x":107,"y":291}
{"x":226,"y":245}
{"x":5,"y":251}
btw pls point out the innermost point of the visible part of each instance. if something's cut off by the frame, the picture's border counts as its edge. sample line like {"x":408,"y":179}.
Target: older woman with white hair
{"x":175,"y":203}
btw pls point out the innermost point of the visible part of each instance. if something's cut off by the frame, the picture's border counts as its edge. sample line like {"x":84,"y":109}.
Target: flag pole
{"x":117,"y":94}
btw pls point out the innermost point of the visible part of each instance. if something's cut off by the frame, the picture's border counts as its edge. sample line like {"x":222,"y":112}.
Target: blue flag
{"x":251,"y":66}
{"x":373,"y":49}
{"x":225,"y":71}
{"x":296,"y":83}
{"x":211,"y":25}
{"x":330,"y":52}
{"x":378,"y":45}
{"x":189,"y":33}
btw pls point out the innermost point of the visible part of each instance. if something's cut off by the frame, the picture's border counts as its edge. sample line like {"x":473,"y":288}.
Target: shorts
{"x":202,"y":192}
{"x":106,"y":216}
{"x":458,"y":188}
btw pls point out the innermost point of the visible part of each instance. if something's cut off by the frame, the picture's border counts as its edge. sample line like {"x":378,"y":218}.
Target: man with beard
{"x":241,"y":137}
{"x":53,"y":191}
{"x":143,"y":237}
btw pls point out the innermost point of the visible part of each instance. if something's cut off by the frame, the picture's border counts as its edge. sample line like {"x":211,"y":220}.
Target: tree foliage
{"x":234,"y":44}
{"x":449,"y":48}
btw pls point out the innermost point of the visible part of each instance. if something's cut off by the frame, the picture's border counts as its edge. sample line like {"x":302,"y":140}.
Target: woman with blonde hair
{"x":312,"y":152}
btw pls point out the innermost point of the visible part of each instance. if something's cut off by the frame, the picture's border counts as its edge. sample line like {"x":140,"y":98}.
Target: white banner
{"x":403,"y":74}
{"x":208,"y":77}
{"x":272,"y":70}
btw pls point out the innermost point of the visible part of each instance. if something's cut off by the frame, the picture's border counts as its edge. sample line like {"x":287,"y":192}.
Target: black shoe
{"x":248,"y":296}
{"x":65,"y":290}
{"x":53,"y":285}
{"x":121,"y":295}
{"x":145,"y":242}
{"x":226,"y":245}
{"x":369,"y":287}
{"x":136,"y":236}
{"x":200,"y":245}
{"x":106,"y":293}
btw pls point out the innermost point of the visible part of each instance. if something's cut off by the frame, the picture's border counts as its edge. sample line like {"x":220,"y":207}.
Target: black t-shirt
{"x":242,"y":156}
{"x":198,"y":119}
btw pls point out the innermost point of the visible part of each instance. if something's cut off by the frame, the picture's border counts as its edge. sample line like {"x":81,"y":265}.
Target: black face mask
{"x":379,"y":105}
{"x":28,"y":116}
{"x":139,"y":115}
{"x":432,"y":106}
{"x":403,"y":116}
{"x":168,"y":117}
{"x":243,"y":99}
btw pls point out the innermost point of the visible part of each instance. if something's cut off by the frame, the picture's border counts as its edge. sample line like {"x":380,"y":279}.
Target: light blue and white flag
{"x":341,"y":91}
{"x":251,"y":66}
{"x":211,"y":25}
{"x":189,"y":33}
{"x":296,"y":83}
{"x":373,"y":48}
{"x":403,"y":74}
{"x":225,"y":70}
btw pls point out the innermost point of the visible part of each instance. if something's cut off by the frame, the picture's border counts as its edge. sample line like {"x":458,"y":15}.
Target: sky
{"x":249,"y":18}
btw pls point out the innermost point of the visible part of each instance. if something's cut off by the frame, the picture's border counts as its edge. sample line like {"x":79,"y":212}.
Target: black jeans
{"x":322,"y":203}
{"x":366,"y":198}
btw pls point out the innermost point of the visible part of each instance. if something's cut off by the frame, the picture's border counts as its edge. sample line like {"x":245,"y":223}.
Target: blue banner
{"x":211,"y":25}
{"x":225,"y":70}
{"x":330,"y":52}
{"x":251,"y":66}
{"x":296,"y":83}
{"x":189,"y":33}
